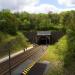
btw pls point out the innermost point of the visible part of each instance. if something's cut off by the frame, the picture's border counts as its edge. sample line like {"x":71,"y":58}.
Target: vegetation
{"x":12,"y":43}
{"x":68,"y":21}
{"x":55,"y":55}
{"x":12,"y":23}
{"x":8,"y":22}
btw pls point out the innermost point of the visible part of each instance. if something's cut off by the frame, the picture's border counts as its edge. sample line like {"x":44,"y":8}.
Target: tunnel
{"x":43,"y":40}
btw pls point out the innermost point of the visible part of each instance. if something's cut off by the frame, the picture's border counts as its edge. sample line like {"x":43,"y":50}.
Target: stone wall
{"x":55,"y":35}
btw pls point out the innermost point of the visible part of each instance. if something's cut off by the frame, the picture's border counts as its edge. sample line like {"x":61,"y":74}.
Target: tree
{"x":68,"y":20}
{"x":54,"y":19}
{"x":8,"y":22}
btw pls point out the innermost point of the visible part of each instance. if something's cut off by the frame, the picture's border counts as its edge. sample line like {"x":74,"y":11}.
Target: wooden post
{"x":9,"y":63}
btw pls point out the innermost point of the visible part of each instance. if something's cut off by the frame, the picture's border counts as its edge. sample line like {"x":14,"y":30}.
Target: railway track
{"x":17,"y":60}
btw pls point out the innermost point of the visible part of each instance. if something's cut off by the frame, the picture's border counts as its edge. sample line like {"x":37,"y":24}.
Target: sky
{"x":38,"y":6}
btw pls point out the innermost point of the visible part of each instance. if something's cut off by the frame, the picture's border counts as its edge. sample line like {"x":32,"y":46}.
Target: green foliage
{"x":55,"y":55}
{"x":4,"y":37}
{"x":8,"y":22}
{"x":54,"y":18}
{"x":57,"y":51}
{"x":20,"y":42}
{"x":25,"y":25}
{"x":12,"y":43}
{"x":62,"y":47}
{"x":11,"y":23}
{"x":71,"y":49}
{"x":25,"y":21}
{"x":68,"y":20}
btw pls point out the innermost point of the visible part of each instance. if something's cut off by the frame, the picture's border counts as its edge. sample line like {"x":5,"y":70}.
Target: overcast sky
{"x":38,"y":6}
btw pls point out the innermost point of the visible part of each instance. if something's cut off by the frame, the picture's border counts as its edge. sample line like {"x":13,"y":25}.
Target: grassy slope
{"x":55,"y":55}
{"x":13,"y":43}
{"x":70,"y":54}
{"x":4,"y":39}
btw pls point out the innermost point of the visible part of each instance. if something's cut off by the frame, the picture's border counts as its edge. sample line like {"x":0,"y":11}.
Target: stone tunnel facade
{"x":44,"y":37}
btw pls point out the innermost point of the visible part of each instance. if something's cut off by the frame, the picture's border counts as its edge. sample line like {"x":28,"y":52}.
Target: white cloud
{"x":42,"y":8}
{"x":65,"y":9}
{"x":16,"y":4}
{"x":68,"y":3}
{"x":33,"y":6}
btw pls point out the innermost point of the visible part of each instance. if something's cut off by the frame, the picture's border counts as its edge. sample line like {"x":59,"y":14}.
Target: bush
{"x":8,"y":22}
{"x":20,"y":42}
{"x":62,"y":47}
{"x":12,"y":43}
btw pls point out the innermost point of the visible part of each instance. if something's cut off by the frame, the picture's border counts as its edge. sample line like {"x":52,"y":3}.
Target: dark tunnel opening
{"x":43,"y":40}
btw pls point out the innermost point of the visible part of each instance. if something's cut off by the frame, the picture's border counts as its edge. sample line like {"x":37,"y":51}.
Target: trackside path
{"x":31,"y":55}
{"x":31,"y":61}
{"x":14,"y":54}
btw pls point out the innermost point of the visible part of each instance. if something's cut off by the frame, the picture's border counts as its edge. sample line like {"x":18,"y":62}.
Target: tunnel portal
{"x":43,"y":37}
{"x":43,"y":40}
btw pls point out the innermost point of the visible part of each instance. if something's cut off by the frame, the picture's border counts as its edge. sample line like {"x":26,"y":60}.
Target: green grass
{"x":5,"y":38}
{"x":55,"y":55}
{"x":12,"y":43}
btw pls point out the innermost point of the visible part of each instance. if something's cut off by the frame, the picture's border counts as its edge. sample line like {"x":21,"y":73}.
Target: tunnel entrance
{"x":43,"y":37}
{"x":43,"y":40}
